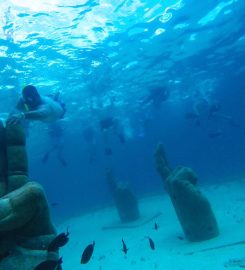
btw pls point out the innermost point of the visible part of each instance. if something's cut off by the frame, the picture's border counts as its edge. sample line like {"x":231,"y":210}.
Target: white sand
{"x":228,"y":202}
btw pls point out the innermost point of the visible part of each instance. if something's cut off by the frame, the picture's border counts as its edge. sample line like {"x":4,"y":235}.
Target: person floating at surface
{"x":55,"y":132}
{"x":34,"y":107}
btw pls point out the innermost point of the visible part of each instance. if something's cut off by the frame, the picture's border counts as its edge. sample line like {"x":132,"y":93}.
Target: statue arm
{"x":161,"y":162}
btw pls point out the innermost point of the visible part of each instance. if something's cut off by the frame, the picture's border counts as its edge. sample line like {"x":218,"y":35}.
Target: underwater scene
{"x":122,"y":134}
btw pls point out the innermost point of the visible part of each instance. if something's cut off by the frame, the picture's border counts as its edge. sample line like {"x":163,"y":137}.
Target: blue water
{"x":104,"y":56}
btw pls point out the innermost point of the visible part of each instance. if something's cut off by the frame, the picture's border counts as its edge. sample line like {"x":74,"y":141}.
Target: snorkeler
{"x":111,"y":123}
{"x":34,"y":107}
{"x":157,"y":95}
{"x":211,"y":110}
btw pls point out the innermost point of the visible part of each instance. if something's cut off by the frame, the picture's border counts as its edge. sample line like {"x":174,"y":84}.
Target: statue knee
{"x":36,"y":192}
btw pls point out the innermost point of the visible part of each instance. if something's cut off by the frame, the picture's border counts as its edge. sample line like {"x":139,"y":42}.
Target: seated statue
{"x":191,"y":206}
{"x":25,"y":225}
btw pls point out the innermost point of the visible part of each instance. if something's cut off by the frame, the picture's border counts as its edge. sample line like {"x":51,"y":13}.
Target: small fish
{"x":50,"y":265}
{"x":152,"y":245}
{"x":156,"y":227}
{"x":53,"y":204}
{"x":108,"y":151}
{"x":124,"y":249}
{"x":180,"y":237}
{"x":87,"y":253}
{"x":213,"y":135}
{"x":59,"y":241}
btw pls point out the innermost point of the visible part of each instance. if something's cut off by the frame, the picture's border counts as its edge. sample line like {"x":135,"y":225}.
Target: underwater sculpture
{"x":25,"y":226}
{"x":125,"y":200}
{"x":191,"y":206}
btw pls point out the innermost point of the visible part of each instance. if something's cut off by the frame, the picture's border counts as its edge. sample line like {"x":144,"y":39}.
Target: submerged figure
{"x":25,"y":225}
{"x":150,"y":105}
{"x":111,"y":123}
{"x":205,"y":109}
{"x":157,"y":95}
{"x":55,"y":132}
{"x":33,"y":107}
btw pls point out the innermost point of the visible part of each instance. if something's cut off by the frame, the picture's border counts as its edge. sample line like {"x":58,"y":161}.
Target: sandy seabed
{"x":172,"y":250}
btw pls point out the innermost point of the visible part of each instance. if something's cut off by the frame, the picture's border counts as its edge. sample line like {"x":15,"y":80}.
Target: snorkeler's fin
{"x":63,"y":162}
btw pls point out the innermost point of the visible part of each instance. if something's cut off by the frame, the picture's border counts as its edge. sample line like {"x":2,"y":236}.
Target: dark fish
{"x":49,"y":265}
{"x":152,"y":245}
{"x":108,"y":151}
{"x":124,"y":249}
{"x":156,"y":227}
{"x":180,"y":237}
{"x":59,"y":241}
{"x":213,"y":135}
{"x":53,"y":204}
{"x":87,"y":253}
{"x":62,"y":162}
